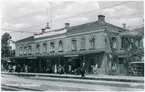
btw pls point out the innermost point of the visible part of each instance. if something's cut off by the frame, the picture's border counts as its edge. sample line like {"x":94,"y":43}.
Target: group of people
{"x":64,"y":69}
{"x":18,"y":68}
{"x":56,"y":69}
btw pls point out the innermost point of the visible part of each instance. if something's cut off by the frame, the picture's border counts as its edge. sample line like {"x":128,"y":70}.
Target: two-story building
{"x":91,"y":43}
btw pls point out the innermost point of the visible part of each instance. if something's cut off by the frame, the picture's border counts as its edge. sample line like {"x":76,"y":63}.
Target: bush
{"x":137,"y":69}
{"x":112,"y":71}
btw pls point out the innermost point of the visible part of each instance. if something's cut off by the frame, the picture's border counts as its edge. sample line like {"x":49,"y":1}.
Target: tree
{"x":134,"y":53}
{"x":5,"y":41}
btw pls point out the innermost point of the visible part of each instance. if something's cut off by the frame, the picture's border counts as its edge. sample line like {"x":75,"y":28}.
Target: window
{"x":29,"y":49}
{"x":44,"y":47}
{"x":74,"y":44}
{"x":37,"y":48}
{"x":52,"y":46}
{"x":114,"y":42}
{"x":123,"y":43}
{"x":20,"y":50}
{"x":92,"y":43}
{"x":83,"y":45}
{"x":60,"y":46}
{"x":139,"y":43}
{"x":25,"y":50}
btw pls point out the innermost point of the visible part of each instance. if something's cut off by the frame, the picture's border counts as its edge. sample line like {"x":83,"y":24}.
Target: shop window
{"x":44,"y":47}
{"x":60,"y":46}
{"x":37,"y":48}
{"x":83,"y":45}
{"x":74,"y":44}
{"x":52,"y":46}
{"x":92,"y":43}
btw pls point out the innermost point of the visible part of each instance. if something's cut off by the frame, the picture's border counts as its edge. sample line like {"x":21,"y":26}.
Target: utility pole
{"x":50,"y":14}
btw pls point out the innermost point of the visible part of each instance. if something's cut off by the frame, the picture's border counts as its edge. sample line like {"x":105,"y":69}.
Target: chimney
{"x":101,"y":18}
{"x":47,"y":26}
{"x":67,"y":25}
{"x":124,"y":25}
{"x":43,"y":30}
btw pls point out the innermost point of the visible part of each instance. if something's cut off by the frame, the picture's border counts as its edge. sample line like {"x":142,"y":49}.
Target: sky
{"x":32,"y":15}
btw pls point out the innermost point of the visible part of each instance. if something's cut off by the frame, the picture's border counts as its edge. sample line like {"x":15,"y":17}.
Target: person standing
{"x":55,"y":69}
{"x":14,"y":68}
{"x":69,"y":68}
{"x":83,"y":70}
{"x":18,"y":68}
{"x":26,"y":68}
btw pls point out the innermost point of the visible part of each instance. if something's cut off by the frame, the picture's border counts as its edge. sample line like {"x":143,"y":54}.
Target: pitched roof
{"x":79,"y":28}
{"x":31,"y":38}
{"x":28,"y":39}
{"x":92,"y":26}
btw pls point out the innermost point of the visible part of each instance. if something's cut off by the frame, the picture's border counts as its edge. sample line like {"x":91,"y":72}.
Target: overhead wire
{"x":76,"y":15}
{"x":38,"y":32}
{"x":33,"y":13}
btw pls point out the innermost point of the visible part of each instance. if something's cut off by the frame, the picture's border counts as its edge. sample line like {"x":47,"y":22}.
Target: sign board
{"x":71,"y":55}
{"x":32,"y":57}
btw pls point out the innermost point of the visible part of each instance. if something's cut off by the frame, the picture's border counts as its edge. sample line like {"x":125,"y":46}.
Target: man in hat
{"x":83,"y":70}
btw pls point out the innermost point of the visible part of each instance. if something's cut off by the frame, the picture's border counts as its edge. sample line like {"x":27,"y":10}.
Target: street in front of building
{"x":16,"y":83}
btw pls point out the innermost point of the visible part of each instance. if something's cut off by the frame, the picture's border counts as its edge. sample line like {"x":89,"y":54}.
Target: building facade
{"x":91,"y":43}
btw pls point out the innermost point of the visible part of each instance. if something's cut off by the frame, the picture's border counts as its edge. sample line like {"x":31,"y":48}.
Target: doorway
{"x":76,"y":63}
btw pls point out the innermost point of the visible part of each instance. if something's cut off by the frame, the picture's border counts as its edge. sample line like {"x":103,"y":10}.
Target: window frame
{"x":29,"y":49}
{"x":38,"y":49}
{"x":20,"y":50}
{"x":45,"y":47}
{"x":25,"y":50}
{"x":83,"y":43}
{"x":92,"y":43}
{"x":52,"y":47}
{"x":60,"y":48}
{"x":74,"y":44}
{"x":114,"y":42}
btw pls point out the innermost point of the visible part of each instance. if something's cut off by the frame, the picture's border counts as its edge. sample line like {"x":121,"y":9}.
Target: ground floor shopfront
{"x":70,"y":63}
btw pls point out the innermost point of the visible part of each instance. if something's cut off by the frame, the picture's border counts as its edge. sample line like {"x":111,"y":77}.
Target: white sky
{"x":21,"y":14}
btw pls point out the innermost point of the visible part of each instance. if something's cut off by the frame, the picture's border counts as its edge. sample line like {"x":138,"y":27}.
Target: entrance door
{"x":121,"y":66}
{"x":76,"y":63}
